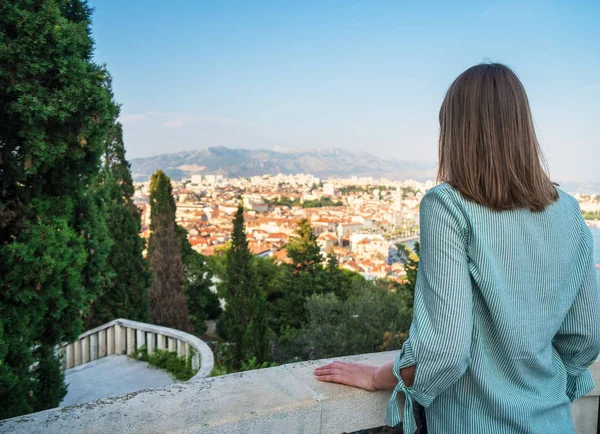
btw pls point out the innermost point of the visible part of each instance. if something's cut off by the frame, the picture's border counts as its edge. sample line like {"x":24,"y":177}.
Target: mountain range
{"x":322,"y":163}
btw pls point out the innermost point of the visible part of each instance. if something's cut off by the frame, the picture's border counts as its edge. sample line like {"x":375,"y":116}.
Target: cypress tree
{"x":168,"y":304}
{"x":125,"y":291}
{"x":245,"y":309}
{"x":55,"y":111}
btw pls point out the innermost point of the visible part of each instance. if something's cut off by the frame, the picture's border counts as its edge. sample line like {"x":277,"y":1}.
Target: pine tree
{"x":304,"y":251}
{"x":307,"y":276}
{"x":56,"y":109}
{"x":125,"y":292}
{"x":245,"y":309}
{"x":338,"y":281}
{"x":168,"y":304}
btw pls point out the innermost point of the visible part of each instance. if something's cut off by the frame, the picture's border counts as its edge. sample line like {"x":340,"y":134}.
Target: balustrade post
{"x":101,"y":343}
{"x":130,"y":341}
{"x":150,"y":339}
{"x":69,"y":356}
{"x":110,"y":340}
{"x":172,"y":344}
{"x":186,"y":351}
{"x":85,"y":350}
{"x":196,"y":361}
{"x":180,"y":348}
{"x":94,"y":346}
{"x":120,"y":339}
{"x":77,"y":351}
{"x":161,"y":341}
{"x":140,"y":339}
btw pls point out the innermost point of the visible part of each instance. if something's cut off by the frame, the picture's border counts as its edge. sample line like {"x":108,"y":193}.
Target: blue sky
{"x":360,"y":75}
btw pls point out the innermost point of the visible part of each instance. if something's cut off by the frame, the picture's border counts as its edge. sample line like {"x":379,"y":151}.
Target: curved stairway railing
{"x":123,"y":336}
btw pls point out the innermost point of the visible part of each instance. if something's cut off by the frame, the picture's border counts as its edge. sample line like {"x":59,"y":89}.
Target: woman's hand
{"x":348,"y":373}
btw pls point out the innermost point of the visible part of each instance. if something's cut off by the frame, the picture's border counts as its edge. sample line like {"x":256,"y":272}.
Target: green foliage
{"x":306,"y":276}
{"x":202,"y":303}
{"x":321,"y":202}
{"x":245,"y":311}
{"x":317,"y":203}
{"x":412,"y":268}
{"x":271,"y":280}
{"x":56,"y":109}
{"x":168,"y":303}
{"x":340,"y":282}
{"x":346,"y":190}
{"x":224,"y":353}
{"x":314,"y":308}
{"x":350,"y":316}
{"x":178,"y":367}
{"x":359,"y":324}
{"x":125,"y":291}
{"x":49,"y":379}
{"x":591,"y":215}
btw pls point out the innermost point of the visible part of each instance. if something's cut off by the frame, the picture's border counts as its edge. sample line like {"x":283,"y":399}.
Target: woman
{"x":506,"y":312}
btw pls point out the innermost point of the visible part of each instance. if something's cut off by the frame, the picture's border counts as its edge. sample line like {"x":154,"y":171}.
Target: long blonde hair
{"x":488,"y":148}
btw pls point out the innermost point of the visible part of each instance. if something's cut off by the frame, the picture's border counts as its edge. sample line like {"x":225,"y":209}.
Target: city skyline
{"x":343,"y":75}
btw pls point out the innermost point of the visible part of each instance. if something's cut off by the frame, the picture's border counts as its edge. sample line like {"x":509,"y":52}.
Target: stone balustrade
{"x":123,"y":336}
{"x":284,"y":399}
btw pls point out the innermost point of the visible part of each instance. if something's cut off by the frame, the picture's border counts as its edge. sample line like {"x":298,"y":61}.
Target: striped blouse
{"x":506,"y":318}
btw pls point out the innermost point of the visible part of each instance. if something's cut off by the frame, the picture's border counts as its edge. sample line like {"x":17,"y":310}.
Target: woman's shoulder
{"x":444,"y":192}
{"x":565,"y":197}
{"x":444,"y":196}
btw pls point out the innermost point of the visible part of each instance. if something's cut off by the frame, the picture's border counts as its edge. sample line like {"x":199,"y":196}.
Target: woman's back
{"x":526,"y":271}
{"x":506,"y":313}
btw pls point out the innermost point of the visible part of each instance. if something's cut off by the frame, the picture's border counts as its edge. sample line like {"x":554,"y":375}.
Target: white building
{"x":329,"y":189}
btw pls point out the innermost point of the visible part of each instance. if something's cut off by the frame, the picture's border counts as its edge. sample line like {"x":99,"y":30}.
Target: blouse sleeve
{"x":578,"y":339}
{"x":440,"y":334}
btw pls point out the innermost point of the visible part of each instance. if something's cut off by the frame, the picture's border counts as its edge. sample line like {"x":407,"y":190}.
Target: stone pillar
{"x":180,"y":348}
{"x":172,"y":344}
{"x":196,"y":361}
{"x":150,"y":339}
{"x":101,"y":343}
{"x":120,"y":339}
{"x":69,"y":356}
{"x":110,"y":340}
{"x":94,"y":346}
{"x":130,"y":341}
{"x":161,"y":341}
{"x":85,"y":350}
{"x":187,"y":351}
{"x":77,"y":352}
{"x":140,"y":339}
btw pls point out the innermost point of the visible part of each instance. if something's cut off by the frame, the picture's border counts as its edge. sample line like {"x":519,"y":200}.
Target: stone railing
{"x":284,"y":399}
{"x":123,"y":336}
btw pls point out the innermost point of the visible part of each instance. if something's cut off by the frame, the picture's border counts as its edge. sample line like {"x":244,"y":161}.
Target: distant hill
{"x":251,"y":162}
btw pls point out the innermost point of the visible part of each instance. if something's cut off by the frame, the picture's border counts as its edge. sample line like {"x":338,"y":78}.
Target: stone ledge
{"x":284,"y":399}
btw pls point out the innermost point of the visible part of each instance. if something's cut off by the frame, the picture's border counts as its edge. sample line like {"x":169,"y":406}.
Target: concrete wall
{"x":285,"y":399}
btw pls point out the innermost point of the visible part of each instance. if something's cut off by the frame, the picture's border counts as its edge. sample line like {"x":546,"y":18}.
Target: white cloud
{"x":132,"y":117}
{"x":175,"y":123}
